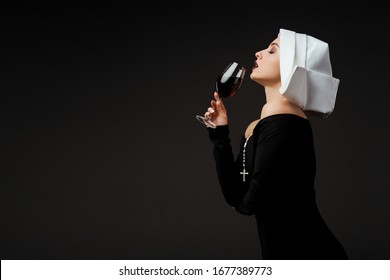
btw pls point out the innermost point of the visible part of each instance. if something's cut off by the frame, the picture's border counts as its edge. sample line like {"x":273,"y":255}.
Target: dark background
{"x":102,"y":157}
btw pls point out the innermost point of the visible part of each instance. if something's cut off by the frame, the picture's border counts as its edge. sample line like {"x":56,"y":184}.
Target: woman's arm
{"x":246,"y":199}
{"x":228,"y":171}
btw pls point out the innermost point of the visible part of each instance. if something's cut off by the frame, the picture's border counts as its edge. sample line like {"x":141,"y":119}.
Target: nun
{"x":272,"y":178}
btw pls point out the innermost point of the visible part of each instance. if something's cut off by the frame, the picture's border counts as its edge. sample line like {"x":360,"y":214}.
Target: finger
{"x":216,"y":96}
{"x":213,"y":102}
{"x":211,"y":110}
{"x":209,"y":114}
{"x":218,"y":105}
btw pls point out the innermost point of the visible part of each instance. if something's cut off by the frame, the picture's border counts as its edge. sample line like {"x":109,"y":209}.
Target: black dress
{"x":279,"y":189}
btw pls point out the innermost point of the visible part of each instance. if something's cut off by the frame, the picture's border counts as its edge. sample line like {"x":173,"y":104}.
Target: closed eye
{"x":272,"y":47}
{"x":272,"y":50}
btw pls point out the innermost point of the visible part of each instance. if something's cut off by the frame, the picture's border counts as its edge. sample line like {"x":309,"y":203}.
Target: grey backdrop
{"x":102,"y":157}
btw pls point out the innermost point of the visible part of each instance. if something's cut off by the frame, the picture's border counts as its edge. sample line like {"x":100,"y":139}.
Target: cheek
{"x":275,"y":67}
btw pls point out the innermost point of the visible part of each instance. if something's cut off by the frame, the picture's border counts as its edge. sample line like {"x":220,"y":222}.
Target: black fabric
{"x":279,"y":189}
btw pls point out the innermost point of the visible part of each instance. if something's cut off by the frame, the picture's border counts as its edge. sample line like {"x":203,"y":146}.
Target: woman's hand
{"x":217,"y":112}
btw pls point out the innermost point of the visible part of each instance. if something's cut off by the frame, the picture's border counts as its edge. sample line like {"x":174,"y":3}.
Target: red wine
{"x":230,"y":80}
{"x":229,"y":87}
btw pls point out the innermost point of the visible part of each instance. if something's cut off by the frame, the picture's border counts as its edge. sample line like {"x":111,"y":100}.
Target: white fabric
{"x":306,"y":73}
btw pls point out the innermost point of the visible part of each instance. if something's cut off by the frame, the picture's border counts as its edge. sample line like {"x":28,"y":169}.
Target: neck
{"x":272,"y":95}
{"x":276,"y":102}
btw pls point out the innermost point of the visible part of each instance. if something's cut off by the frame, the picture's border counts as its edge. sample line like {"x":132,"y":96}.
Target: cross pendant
{"x":243,"y":174}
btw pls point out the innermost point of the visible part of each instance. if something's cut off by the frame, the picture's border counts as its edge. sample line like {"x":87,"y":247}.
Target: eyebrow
{"x":274,"y":44}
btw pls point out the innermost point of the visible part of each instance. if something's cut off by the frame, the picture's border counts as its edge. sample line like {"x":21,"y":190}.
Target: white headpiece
{"x":306,"y":73}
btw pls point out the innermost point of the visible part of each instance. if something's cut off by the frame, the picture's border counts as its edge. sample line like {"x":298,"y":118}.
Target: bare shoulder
{"x":251,"y":126}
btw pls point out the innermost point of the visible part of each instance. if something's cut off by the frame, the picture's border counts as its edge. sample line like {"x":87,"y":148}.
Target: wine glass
{"x":227,"y":84}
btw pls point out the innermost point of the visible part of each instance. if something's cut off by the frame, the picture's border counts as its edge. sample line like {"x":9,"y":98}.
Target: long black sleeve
{"x":227,"y":169}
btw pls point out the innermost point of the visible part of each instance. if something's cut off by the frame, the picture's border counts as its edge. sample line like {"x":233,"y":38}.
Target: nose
{"x":258,"y":54}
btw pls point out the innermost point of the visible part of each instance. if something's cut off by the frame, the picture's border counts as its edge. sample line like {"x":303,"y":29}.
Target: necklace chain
{"x":243,"y":173}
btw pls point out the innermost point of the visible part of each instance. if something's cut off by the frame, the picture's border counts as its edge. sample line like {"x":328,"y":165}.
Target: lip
{"x":255,"y":65}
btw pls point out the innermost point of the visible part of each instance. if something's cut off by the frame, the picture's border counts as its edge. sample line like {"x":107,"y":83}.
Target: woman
{"x":273,"y":175}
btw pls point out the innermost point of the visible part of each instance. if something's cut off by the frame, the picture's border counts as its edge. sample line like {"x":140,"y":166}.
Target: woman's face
{"x":266,"y":69}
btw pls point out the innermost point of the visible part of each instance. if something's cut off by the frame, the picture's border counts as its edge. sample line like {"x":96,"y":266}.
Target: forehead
{"x":277,"y":40}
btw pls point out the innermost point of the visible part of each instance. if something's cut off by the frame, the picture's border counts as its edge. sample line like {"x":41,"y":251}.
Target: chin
{"x":253,"y":76}
{"x":255,"y":79}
